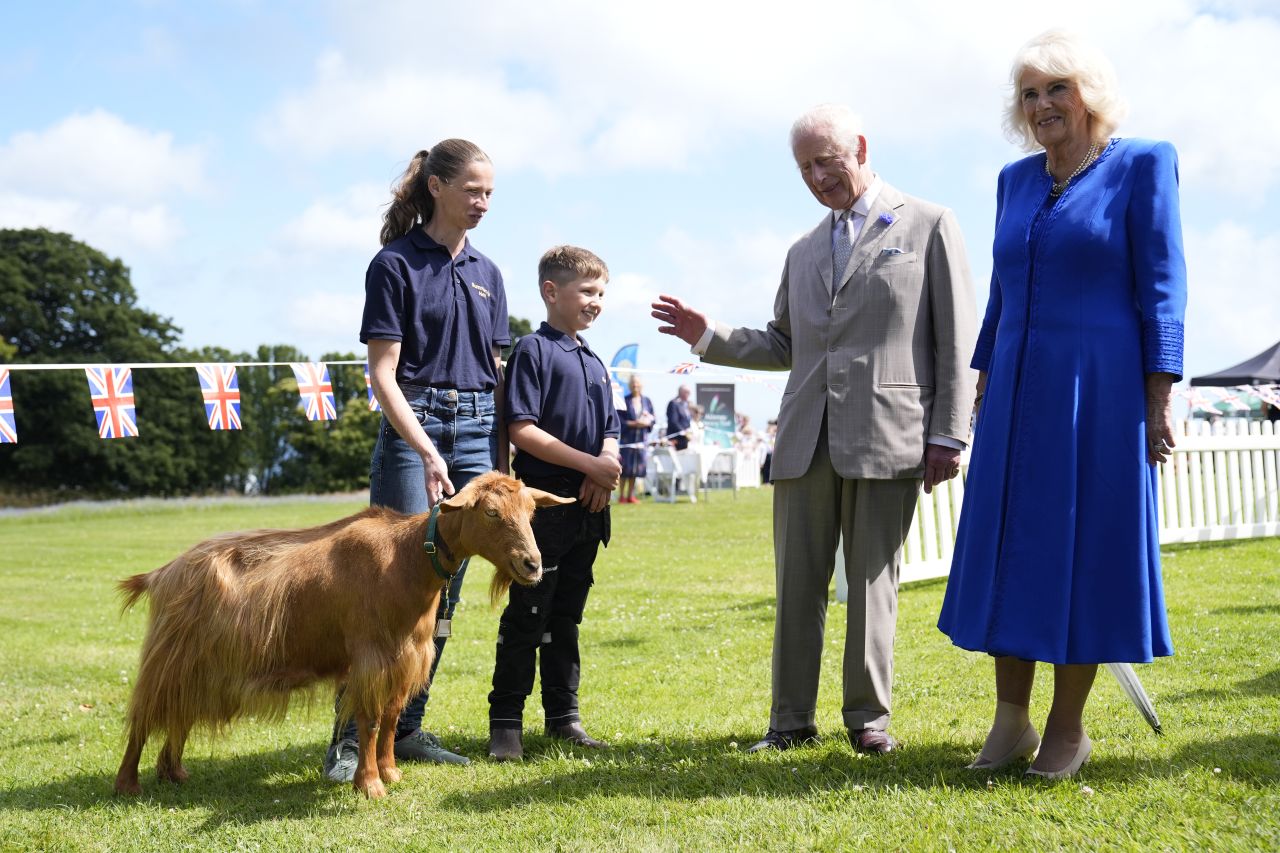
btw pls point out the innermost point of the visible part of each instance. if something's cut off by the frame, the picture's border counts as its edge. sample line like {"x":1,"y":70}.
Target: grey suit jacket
{"x":884,"y":352}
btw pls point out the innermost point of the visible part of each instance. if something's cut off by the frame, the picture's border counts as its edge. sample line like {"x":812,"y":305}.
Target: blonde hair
{"x":1061,"y":53}
{"x":563,"y":264}
{"x":411,"y":202}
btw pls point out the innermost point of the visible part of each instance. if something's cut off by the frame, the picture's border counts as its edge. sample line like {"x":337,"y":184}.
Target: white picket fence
{"x":1223,"y":482}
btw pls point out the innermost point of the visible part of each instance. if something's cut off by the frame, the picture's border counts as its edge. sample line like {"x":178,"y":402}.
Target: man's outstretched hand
{"x":679,"y":319}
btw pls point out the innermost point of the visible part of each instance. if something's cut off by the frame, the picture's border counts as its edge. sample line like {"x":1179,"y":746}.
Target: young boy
{"x":559,"y":409}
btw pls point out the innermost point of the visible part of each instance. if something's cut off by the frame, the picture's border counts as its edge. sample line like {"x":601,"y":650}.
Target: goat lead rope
{"x":429,"y":545}
{"x":443,"y":619}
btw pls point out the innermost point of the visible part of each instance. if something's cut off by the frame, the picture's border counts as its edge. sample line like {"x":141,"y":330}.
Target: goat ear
{"x":457,"y":501}
{"x":541,"y":498}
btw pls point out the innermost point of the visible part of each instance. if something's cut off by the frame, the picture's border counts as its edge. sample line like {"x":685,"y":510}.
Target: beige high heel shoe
{"x":1028,"y":743}
{"x":1083,"y":751}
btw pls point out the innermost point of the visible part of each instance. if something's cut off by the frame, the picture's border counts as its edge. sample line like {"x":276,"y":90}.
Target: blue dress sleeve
{"x":986,"y":344}
{"x":1159,"y":266}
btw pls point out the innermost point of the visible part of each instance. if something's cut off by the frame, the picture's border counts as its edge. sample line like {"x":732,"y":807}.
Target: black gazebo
{"x":1262,"y":369}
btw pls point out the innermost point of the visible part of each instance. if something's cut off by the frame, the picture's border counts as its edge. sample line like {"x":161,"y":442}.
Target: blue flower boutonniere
{"x":887,"y":218}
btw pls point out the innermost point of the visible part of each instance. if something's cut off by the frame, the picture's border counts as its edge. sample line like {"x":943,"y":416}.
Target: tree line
{"x":62,"y":301}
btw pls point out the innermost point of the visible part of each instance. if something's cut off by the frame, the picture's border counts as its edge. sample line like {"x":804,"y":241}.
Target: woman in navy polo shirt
{"x":435,"y":320}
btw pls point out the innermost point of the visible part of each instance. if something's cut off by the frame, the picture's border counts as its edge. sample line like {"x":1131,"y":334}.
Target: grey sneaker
{"x":341,"y":759}
{"x":424,"y":746}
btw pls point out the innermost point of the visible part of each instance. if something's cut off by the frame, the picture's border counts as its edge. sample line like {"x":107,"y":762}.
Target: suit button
{"x":823,"y":389}
{"x":832,"y":348}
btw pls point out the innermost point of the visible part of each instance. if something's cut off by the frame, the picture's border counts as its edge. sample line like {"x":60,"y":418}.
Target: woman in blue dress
{"x":1058,"y":555}
{"x":637,"y":421}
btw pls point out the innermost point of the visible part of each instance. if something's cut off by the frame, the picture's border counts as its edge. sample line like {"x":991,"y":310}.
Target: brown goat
{"x":241,"y":620}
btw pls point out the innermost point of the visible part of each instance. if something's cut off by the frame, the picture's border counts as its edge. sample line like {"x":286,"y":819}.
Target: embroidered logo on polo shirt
{"x":481,"y":290}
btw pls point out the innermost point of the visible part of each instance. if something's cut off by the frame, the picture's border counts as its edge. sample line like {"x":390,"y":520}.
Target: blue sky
{"x":236,"y":154}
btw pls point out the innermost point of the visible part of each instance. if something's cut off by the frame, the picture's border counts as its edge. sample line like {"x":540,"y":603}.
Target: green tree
{"x":332,"y":456}
{"x":64,"y":301}
{"x":519,"y":327}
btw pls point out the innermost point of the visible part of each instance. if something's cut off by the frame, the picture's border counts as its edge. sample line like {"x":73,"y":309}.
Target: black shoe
{"x":575,"y":734}
{"x":506,"y":745}
{"x":872,"y":741}
{"x":774,"y":739}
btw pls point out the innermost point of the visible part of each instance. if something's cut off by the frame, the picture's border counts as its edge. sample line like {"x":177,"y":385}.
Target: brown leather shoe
{"x":575,"y":734}
{"x":872,"y":741}
{"x":506,"y":745}
{"x":776,"y":739}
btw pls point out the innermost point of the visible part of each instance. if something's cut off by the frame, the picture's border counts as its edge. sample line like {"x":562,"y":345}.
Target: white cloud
{"x":101,"y":179}
{"x":1232,"y":310}
{"x":1205,"y":89}
{"x":398,"y":111}
{"x":115,"y":229}
{"x":320,"y":315}
{"x":734,"y":279}
{"x":98,"y":156}
{"x":568,"y":86}
{"x":347,"y":222}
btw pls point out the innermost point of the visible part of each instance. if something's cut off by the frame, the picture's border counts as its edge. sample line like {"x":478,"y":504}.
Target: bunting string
{"x":111,"y":391}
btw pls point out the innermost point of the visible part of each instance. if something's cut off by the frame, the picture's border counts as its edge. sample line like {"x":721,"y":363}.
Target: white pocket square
{"x":892,"y":250}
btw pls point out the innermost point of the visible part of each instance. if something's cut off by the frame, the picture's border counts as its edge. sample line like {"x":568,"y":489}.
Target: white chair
{"x":670,"y":477}
{"x":724,"y":471}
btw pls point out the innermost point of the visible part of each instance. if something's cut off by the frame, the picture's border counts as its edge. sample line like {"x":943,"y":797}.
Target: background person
{"x":695,"y":428}
{"x":435,"y":320}
{"x":637,"y":420}
{"x":874,"y":318}
{"x":1058,"y":556}
{"x":679,"y":418}
{"x":566,"y":434}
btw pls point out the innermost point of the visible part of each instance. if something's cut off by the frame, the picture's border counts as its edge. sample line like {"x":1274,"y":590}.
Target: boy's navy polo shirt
{"x":447,"y":313}
{"x":564,"y":389}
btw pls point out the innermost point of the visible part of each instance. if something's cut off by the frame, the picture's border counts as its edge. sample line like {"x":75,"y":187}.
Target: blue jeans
{"x":461,"y":425}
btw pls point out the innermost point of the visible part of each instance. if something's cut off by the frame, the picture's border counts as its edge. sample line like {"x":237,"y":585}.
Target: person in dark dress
{"x":637,"y":421}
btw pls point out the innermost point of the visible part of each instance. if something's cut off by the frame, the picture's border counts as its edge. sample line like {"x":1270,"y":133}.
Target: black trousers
{"x":539,"y":628}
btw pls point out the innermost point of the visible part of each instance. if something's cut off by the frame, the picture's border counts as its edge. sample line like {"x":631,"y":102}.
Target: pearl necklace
{"x":1060,"y":186}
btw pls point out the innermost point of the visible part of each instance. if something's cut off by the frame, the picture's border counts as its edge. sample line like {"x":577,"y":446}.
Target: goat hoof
{"x":373,"y":789}
{"x":176,"y":775}
{"x":128,"y":787}
{"x":390,"y":775}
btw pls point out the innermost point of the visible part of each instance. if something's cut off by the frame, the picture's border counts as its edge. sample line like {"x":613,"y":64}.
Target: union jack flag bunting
{"x":316,"y":391}
{"x":112,"y":391}
{"x":368,"y":383}
{"x":1199,"y":400}
{"x":684,"y":368}
{"x":1267,"y":393}
{"x":221,"y":395}
{"x":8,"y":427}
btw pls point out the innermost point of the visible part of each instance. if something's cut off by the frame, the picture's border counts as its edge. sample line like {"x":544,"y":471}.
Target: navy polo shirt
{"x":563,"y":387}
{"x":447,"y":313}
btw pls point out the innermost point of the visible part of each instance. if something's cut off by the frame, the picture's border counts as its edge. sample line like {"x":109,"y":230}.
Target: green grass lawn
{"x":676,"y":675}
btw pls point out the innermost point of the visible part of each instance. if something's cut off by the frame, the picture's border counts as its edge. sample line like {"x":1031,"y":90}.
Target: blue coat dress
{"x":1058,"y":556}
{"x":634,"y":458}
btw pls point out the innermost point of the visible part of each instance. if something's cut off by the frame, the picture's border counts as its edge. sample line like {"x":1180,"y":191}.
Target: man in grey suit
{"x":875,"y":319}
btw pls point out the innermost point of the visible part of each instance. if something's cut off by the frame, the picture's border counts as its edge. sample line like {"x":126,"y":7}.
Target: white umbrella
{"x":1133,"y":689}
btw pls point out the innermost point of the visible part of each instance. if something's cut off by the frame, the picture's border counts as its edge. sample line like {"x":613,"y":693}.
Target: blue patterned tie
{"x":842,"y":249}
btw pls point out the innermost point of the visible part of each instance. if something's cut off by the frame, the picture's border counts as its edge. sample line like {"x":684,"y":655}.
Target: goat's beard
{"x":499,"y":586}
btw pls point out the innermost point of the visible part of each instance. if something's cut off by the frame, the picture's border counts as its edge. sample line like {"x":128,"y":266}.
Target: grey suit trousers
{"x":873,"y":517}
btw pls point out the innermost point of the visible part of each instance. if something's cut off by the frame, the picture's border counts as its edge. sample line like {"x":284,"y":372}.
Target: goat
{"x":241,"y":620}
